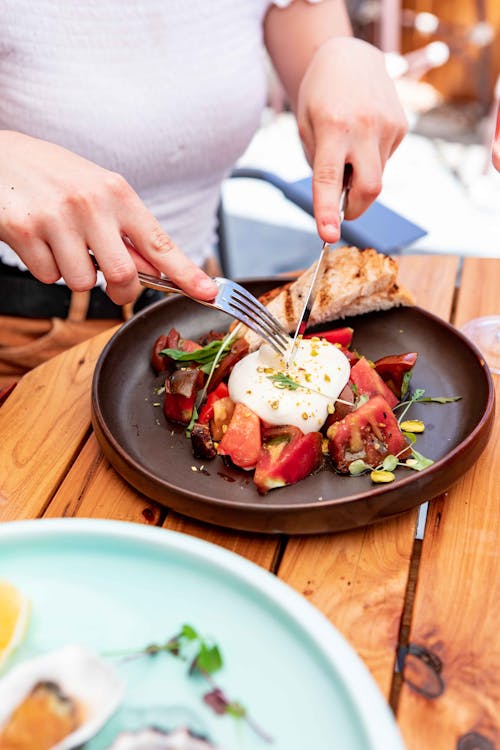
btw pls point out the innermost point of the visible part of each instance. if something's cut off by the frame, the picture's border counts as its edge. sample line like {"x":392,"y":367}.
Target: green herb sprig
{"x":204,"y":356}
{"x":418,"y":398}
{"x":204,"y":658}
{"x":280,"y":380}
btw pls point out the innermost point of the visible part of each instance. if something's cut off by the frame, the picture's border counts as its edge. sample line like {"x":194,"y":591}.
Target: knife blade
{"x":318,"y":271}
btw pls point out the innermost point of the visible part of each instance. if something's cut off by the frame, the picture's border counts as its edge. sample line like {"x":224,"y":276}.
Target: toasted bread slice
{"x":354,"y":281}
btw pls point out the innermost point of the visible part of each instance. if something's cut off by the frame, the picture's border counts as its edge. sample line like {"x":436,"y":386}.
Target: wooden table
{"x":380,"y":586}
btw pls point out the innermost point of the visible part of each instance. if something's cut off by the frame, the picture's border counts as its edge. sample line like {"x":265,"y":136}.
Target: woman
{"x":118,"y":122}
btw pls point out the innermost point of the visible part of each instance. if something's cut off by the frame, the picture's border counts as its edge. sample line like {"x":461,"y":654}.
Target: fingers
{"x":153,"y":244}
{"x":328,"y":174}
{"x":366,"y":182}
{"x":330,"y":159}
{"x":37,"y":256}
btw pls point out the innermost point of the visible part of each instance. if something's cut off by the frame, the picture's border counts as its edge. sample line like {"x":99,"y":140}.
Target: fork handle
{"x":161,"y":284}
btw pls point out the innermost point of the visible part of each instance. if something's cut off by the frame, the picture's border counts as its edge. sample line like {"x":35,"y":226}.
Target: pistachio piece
{"x":379,"y":476}
{"x":412,"y":425}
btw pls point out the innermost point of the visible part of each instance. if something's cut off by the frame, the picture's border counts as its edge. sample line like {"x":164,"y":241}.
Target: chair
{"x":379,"y":227}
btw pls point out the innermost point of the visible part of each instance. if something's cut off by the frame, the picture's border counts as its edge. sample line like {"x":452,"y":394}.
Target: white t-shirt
{"x":166,"y":92}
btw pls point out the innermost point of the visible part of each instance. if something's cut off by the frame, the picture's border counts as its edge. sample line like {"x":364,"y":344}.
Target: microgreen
{"x":438,"y":400}
{"x":405,"y":384}
{"x":205,"y":659}
{"x":225,"y":346}
{"x":359,"y":467}
{"x":418,"y":462}
{"x":410,"y":436}
{"x":418,"y":398}
{"x":418,"y":393}
{"x":194,"y":417}
{"x":361,"y":400}
{"x":280,"y":380}
{"x":390,"y":462}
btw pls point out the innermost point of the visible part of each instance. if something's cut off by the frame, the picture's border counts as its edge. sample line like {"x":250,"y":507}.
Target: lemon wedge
{"x":14,"y":618}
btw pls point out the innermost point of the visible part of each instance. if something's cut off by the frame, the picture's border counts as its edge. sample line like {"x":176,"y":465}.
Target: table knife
{"x":318,"y":271}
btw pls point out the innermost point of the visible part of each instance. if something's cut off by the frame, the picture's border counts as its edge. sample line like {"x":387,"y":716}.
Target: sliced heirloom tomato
{"x":393,"y":369}
{"x":239,"y":349}
{"x":242,"y":440}
{"x":181,"y":389}
{"x":368,"y":382}
{"x":369,"y":433}
{"x":342,"y":407}
{"x":207,"y":410}
{"x":353,"y":357}
{"x":342,"y":336}
{"x":287,"y":456}
{"x":168,"y":340}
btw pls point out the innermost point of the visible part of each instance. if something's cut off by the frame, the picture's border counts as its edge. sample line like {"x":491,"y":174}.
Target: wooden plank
{"x":259,"y":549}
{"x":457,"y":600}
{"x":359,"y":579}
{"x":93,"y":489}
{"x":42,"y":424}
{"x":431,"y":278}
{"x":479,"y":289}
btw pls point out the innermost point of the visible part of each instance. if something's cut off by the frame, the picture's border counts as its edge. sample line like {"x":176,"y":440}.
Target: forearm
{"x":292,"y":36}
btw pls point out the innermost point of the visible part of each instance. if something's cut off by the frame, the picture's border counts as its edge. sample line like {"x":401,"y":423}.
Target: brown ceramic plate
{"x":155,"y":457}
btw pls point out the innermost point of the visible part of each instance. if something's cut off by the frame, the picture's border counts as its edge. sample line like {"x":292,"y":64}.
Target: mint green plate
{"x":109,"y":586}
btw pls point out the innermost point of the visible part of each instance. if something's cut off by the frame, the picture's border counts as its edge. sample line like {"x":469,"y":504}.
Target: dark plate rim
{"x":298,"y":507}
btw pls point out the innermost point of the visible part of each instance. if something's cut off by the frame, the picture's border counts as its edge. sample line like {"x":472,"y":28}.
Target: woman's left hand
{"x":347,"y":112}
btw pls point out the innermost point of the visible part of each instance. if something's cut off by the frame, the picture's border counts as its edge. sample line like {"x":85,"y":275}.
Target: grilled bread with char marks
{"x":354,"y":282}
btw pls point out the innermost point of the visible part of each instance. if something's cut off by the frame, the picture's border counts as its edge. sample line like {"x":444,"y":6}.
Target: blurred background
{"x":444,"y":56}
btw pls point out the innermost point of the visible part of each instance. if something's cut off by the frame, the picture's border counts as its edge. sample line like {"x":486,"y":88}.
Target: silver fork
{"x":236,"y":301}
{"x":232,"y":299}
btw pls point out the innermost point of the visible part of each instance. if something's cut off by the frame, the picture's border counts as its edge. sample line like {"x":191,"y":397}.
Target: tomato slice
{"x":368,"y":381}
{"x":370,"y":433}
{"x":393,"y":369}
{"x":242,"y":440}
{"x":342,"y":336}
{"x":287,"y":456}
{"x":207,"y":410}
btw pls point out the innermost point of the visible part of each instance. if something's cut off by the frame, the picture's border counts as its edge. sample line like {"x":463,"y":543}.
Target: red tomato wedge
{"x":287,"y":456}
{"x":242,"y":439}
{"x":181,"y":389}
{"x":368,"y":381}
{"x":342,"y":336}
{"x":392,"y":369}
{"x":369,"y":433}
{"x":207,"y":410}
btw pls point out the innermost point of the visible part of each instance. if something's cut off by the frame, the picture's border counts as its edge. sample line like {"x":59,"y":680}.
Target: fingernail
{"x":331,"y":228}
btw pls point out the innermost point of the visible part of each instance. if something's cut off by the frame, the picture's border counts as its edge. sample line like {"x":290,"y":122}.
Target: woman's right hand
{"x":55,"y":205}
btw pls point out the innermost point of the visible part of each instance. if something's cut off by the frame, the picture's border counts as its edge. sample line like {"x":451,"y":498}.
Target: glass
{"x":484,"y":332}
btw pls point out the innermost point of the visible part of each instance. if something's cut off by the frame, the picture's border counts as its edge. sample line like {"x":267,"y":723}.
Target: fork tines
{"x":259,"y":319}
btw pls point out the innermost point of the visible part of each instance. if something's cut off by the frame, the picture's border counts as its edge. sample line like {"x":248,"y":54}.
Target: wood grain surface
{"x":457,"y":602}
{"x":43,"y":425}
{"x":359,"y":578}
